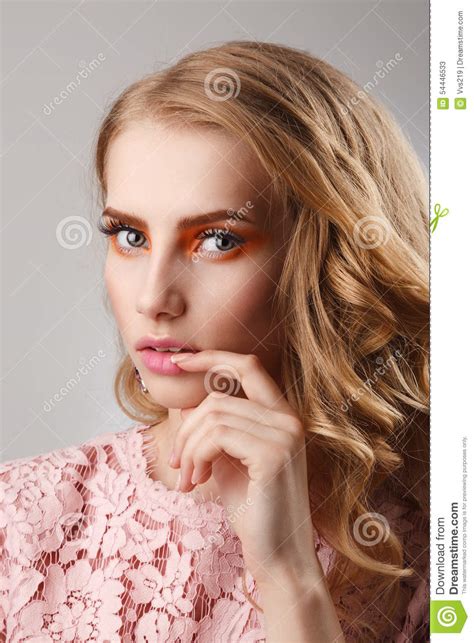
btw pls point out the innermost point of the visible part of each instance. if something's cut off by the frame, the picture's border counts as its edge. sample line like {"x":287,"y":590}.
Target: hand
{"x":255,"y":448}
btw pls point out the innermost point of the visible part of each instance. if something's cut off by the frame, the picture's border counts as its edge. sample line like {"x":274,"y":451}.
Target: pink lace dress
{"x":92,"y":548}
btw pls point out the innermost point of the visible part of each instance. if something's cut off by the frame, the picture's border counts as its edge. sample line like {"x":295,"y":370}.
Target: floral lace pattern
{"x":92,"y":548}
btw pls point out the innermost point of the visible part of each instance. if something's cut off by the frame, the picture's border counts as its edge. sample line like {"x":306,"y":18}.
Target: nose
{"x":161,"y":289}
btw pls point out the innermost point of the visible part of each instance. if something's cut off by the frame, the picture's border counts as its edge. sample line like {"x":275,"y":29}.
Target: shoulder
{"x":54,"y":506}
{"x":39,"y":492}
{"x":50,"y":466}
{"x":75,"y":455}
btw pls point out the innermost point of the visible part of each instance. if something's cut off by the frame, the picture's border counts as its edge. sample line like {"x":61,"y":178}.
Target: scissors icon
{"x":438,"y":214}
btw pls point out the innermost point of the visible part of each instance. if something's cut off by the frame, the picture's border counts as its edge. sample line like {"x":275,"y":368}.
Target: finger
{"x":203,"y":431}
{"x":185,"y":412}
{"x":276,"y":440}
{"x":221,"y":440}
{"x":220,"y":408}
{"x":255,"y":380}
{"x":202,"y":472}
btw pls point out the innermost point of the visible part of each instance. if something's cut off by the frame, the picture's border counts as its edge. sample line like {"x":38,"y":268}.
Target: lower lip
{"x":160,"y":362}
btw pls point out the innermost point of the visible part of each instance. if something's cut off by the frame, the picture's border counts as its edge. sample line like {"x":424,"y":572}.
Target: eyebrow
{"x":183,"y":223}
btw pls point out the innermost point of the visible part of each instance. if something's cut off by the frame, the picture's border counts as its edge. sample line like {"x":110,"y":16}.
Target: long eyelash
{"x":212,"y":232}
{"x":110,"y":227}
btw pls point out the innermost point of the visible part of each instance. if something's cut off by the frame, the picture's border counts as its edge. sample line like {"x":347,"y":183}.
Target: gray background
{"x":53,"y":315}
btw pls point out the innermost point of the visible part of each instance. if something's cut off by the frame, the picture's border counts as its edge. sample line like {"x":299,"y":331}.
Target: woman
{"x":267,"y":218}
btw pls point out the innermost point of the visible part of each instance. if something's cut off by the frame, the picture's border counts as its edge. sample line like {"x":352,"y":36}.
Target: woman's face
{"x":172,"y":275}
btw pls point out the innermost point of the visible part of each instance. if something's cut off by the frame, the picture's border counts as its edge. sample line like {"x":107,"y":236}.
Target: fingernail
{"x":172,"y":459}
{"x":194,"y":477}
{"x":180,"y":357}
{"x":178,"y":482}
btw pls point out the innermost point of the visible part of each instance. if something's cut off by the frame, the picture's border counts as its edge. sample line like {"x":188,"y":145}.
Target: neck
{"x":163,"y":435}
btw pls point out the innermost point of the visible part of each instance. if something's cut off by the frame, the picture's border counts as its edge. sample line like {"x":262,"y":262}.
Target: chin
{"x":177,"y":395}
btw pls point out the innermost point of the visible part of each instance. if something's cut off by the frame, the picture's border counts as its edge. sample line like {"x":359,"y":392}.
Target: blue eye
{"x":126,"y":234}
{"x":216,"y":242}
{"x":222,"y":240}
{"x":129,"y":235}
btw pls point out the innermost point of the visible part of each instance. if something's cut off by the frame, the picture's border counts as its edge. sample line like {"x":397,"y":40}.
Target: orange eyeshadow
{"x":190,"y":244}
{"x":119,"y":250}
{"x":253,"y":241}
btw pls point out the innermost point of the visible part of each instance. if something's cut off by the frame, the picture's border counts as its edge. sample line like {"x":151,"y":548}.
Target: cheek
{"x":252,"y":305}
{"x":242,"y":305}
{"x":120,"y":289}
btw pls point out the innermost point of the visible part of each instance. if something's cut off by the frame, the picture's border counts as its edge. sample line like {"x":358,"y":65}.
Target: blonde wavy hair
{"x":353,"y":295}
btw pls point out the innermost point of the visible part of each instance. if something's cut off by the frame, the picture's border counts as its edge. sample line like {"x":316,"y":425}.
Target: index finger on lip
{"x":257,"y":383}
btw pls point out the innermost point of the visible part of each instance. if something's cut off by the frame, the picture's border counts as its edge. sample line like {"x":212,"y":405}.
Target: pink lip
{"x":165,"y":342}
{"x":158,"y":362}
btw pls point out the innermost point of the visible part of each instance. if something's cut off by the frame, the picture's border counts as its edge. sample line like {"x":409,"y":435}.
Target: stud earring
{"x":138,"y":377}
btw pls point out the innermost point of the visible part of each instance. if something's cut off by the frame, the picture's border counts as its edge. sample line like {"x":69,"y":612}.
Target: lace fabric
{"x":92,"y":548}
